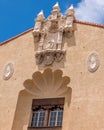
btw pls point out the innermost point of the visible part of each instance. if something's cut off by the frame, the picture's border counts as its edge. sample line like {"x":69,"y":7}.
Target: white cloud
{"x":91,"y":11}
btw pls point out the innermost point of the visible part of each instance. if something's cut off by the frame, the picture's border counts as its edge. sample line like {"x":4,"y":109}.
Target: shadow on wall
{"x":23,"y":110}
{"x":70,"y":39}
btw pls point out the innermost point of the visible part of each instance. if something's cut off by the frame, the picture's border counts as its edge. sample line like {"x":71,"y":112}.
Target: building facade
{"x":51,"y":76}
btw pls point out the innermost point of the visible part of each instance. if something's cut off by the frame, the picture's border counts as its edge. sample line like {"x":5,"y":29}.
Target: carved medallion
{"x":59,"y":56}
{"x":93,"y":62}
{"x":48,"y":58}
{"x":8,"y":71}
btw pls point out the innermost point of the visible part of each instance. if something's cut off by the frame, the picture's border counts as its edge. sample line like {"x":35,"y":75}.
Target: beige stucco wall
{"x":85,"y":111}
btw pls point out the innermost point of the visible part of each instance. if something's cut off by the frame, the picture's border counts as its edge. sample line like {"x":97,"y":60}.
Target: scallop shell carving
{"x":93,"y":62}
{"x":47,"y":84}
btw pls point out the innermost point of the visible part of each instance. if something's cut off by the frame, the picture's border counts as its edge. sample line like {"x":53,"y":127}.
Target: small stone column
{"x":59,"y":39}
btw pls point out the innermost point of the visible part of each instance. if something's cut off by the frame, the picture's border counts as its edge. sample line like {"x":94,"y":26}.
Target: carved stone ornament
{"x":8,"y":71}
{"x":59,"y":55}
{"x":49,"y":35}
{"x":39,"y":58}
{"x":93,"y":62}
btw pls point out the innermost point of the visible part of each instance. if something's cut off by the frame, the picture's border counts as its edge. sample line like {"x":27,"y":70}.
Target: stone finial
{"x":38,"y":25}
{"x":40,"y":15}
{"x":70,"y":10}
{"x":56,"y":7}
{"x":71,"y":7}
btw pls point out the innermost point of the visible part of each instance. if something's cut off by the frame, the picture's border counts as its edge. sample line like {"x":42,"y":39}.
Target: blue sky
{"x":16,"y":16}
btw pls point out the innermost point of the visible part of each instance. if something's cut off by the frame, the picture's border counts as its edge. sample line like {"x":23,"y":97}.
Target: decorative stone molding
{"x":93,"y":62}
{"x":49,"y":34}
{"x":8,"y":71}
{"x":48,"y":84}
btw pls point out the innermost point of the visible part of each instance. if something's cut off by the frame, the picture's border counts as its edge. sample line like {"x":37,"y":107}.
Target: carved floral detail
{"x":47,"y":84}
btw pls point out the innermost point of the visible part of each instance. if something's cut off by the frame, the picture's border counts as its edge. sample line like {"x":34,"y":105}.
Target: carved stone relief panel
{"x":8,"y":71}
{"x":93,"y":62}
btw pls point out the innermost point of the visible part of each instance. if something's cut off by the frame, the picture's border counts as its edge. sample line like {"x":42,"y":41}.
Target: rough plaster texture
{"x":84,"y":108}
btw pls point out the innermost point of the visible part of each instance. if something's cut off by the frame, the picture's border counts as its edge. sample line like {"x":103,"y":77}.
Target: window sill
{"x":44,"y":128}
